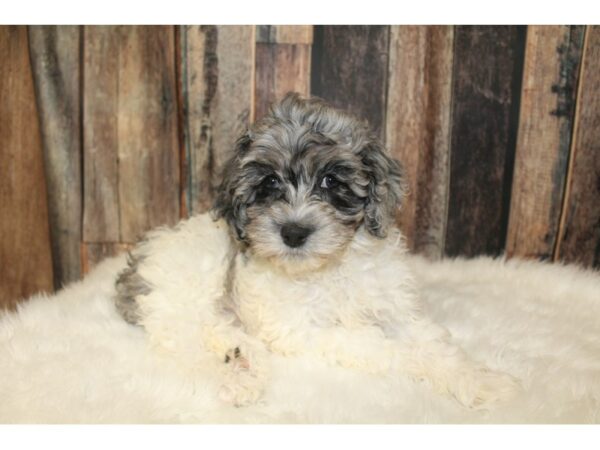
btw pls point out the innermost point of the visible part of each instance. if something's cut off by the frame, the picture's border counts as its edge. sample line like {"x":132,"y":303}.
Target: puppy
{"x":300,"y":257}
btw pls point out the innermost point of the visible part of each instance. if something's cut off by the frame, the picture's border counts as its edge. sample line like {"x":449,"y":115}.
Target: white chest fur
{"x":368,"y":286}
{"x":345,"y":312}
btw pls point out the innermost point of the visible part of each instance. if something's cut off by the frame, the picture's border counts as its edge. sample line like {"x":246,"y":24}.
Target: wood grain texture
{"x":486,"y":87}
{"x":93,"y":253}
{"x":217,"y":86}
{"x":55,"y":57}
{"x":552,"y":57}
{"x":280,"y":68}
{"x":131,"y":153}
{"x":284,"y":34}
{"x":418,"y":128}
{"x":580,"y":225}
{"x":100,"y":134}
{"x":350,"y":67}
{"x":148,"y":142}
{"x":25,"y":253}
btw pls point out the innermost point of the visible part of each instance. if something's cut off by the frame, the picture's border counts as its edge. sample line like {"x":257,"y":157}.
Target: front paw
{"x":244,"y":377}
{"x":481,"y":388}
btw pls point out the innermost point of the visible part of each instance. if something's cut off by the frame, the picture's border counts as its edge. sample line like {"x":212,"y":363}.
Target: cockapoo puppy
{"x":300,"y":257}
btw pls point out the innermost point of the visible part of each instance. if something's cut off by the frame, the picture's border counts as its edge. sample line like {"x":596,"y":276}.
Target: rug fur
{"x":70,"y":358}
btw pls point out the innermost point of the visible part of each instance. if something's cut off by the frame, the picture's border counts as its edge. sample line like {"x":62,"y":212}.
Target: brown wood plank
{"x":55,"y":56}
{"x":350,"y":66}
{"x":280,"y":68}
{"x":552,"y":57}
{"x":418,"y":128}
{"x":217,"y":87}
{"x":285,"y":34}
{"x":25,"y":253}
{"x":580,"y":225}
{"x":93,"y":253}
{"x":100,"y":134}
{"x":131,"y":162}
{"x":147,"y":130}
{"x":487,"y":74}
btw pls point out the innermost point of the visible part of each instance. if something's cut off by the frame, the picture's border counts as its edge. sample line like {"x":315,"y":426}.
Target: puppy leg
{"x":244,"y":376}
{"x":244,"y":363}
{"x":426,"y":356}
{"x":430,"y":356}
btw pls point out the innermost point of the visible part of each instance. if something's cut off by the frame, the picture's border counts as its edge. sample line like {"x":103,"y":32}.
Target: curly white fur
{"x":70,"y":357}
{"x":361,"y":310}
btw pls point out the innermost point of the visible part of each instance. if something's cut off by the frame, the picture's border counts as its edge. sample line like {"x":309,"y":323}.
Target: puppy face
{"x":303,"y":180}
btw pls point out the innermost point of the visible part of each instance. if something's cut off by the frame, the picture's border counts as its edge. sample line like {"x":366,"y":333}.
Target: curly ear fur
{"x":386,"y":187}
{"x":227,"y":204}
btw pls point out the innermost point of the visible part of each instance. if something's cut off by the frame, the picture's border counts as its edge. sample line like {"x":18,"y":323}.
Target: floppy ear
{"x":228,"y":204}
{"x":386,"y":187}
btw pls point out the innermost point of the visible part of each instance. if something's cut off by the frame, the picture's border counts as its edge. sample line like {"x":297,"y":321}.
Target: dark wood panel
{"x":217,"y":88}
{"x":580,"y":227}
{"x":552,"y":58}
{"x":487,"y":74}
{"x":284,"y":34}
{"x":25,"y":253}
{"x":280,"y":68}
{"x":131,"y":148}
{"x":349,"y":69}
{"x":418,"y":128}
{"x":55,"y":56}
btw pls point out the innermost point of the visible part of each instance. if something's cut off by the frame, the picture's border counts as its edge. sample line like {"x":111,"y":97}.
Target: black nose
{"x":294,"y":235}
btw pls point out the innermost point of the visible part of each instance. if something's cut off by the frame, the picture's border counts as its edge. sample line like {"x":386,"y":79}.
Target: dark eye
{"x":267,"y":187}
{"x":329,"y":182}
{"x":270,"y":182}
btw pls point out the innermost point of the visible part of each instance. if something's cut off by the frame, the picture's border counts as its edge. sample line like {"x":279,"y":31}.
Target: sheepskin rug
{"x":70,"y":358}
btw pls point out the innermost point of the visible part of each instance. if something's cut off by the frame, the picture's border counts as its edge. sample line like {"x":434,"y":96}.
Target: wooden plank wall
{"x":579,"y":233}
{"x":217,"y":85}
{"x":551,"y":71}
{"x":418,"y":128}
{"x":108,"y":131}
{"x":130,"y":135}
{"x":485,"y":88}
{"x":25,"y":253}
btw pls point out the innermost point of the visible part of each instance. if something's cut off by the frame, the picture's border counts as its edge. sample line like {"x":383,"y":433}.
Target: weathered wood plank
{"x":418,"y":128}
{"x":25,"y":253}
{"x":217,"y":85}
{"x":550,"y":72}
{"x":284,"y":34}
{"x":93,"y":253}
{"x":280,"y":68}
{"x":131,"y":154}
{"x":350,"y":65}
{"x":580,"y":225}
{"x":147,"y":130}
{"x":55,"y":56}
{"x":486,"y":86}
{"x":100,"y":134}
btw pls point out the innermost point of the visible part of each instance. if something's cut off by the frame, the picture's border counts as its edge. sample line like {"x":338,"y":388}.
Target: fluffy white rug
{"x":71,"y":358}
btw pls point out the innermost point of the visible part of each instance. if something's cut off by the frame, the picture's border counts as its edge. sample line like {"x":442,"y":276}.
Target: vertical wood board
{"x":552,"y":59}
{"x":25,"y":252}
{"x":350,"y":68}
{"x":217,"y":86}
{"x":131,"y":153}
{"x":55,"y":56}
{"x":487,"y":73}
{"x":580,"y":225}
{"x":418,"y":128}
{"x":280,"y":68}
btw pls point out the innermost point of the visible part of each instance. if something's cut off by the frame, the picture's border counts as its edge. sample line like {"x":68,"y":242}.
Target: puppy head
{"x":303,"y":180}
